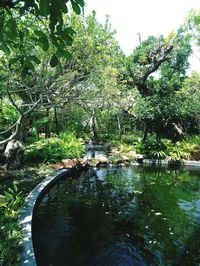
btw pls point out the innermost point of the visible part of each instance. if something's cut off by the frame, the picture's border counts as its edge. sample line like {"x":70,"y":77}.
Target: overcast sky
{"x":149,"y":17}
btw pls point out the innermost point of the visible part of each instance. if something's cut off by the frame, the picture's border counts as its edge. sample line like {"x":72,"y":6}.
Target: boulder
{"x":103,"y":160}
{"x":139,"y":158}
{"x":132,"y":155}
{"x":116,"y":159}
{"x":114,"y":151}
{"x":70,"y":164}
{"x":93,"y":162}
{"x":125,"y":158}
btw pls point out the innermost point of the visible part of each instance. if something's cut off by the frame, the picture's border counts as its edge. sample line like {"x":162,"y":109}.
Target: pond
{"x":120,"y":216}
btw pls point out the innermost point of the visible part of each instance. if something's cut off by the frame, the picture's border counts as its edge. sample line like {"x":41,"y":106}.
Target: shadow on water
{"x":120,"y":217}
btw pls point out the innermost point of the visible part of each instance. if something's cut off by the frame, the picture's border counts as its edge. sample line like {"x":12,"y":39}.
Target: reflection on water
{"x":120,"y":217}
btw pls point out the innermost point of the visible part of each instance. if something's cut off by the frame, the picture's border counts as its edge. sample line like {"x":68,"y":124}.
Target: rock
{"x":84,"y":163}
{"x":116,"y":159}
{"x":125,"y":158}
{"x":114,"y":151}
{"x":58,"y":166}
{"x":13,"y":153}
{"x":139,"y":158}
{"x":93,"y":162}
{"x":132,"y":155}
{"x":103,"y":160}
{"x":70,"y":164}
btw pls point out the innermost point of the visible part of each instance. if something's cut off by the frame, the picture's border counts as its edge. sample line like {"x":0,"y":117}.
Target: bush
{"x":152,"y":148}
{"x":10,"y":234}
{"x":54,"y":149}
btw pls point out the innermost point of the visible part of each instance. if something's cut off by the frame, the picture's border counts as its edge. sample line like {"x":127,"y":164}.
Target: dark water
{"x":121,"y":217}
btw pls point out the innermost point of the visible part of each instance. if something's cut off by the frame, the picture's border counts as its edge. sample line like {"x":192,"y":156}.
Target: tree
{"x":44,"y":88}
{"x":52,"y":32}
{"x":28,"y":30}
{"x":158,"y":107}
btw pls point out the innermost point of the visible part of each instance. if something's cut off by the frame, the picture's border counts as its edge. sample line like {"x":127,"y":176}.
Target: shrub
{"x":54,"y":149}
{"x":10,"y":234}
{"x":152,"y":148}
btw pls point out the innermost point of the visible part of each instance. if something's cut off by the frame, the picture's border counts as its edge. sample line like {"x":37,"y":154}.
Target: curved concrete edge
{"x":27,"y":212}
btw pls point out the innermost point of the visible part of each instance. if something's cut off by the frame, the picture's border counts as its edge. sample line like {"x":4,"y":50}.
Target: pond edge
{"x":27,"y":212}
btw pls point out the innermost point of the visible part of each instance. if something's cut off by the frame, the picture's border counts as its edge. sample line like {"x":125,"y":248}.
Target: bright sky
{"x":149,"y":17}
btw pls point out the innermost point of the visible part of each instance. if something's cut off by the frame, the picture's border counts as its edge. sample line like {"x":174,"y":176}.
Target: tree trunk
{"x":145,"y":133}
{"x":119,"y":125}
{"x":56,"y":122}
{"x":47,"y":128}
{"x":93,"y":126}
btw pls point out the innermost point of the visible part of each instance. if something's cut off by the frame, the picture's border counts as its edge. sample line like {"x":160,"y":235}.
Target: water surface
{"x":121,"y":216}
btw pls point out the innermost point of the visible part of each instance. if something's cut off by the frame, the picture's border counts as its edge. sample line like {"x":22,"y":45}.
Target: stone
{"x":93,"y":162}
{"x":132,"y":155}
{"x":116,"y":159}
{"x":103,"y":160}
{"x":114,"y":151}
{"x":139,"y":158}
{"x":125,"y":158}
{"x":58,"y":166}
{"x":70,"y":163}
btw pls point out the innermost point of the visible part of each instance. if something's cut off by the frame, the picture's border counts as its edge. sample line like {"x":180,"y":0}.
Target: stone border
{"x":166,"y":163}
{"x":27,"y":212}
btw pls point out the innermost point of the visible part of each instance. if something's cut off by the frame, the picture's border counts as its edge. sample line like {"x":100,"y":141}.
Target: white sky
{"x":149,"y":17}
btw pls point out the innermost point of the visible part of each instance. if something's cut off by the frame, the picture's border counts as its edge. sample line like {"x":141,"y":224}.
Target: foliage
{"x":53,"y":31}
{"x":7,"y":114}
{"x":10,"y":234}
{"x":54,"y":149}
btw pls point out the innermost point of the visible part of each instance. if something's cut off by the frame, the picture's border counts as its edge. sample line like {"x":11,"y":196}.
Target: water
{"x":119,"y":217}
{"x":93,"y":151}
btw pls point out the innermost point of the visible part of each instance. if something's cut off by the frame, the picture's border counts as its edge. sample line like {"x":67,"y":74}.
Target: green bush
{"x":10,"y":234}
{"x":152,"y":148}
{"x":54,"y":149}
{"x":130,"y":139}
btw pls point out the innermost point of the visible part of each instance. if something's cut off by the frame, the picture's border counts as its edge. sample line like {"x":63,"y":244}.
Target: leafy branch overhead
{"x":47,"y":31}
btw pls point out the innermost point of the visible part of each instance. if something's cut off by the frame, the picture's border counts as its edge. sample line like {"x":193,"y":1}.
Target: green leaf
{"x":59,"y":67}
{"x":12,"y":28}
{"x":40,"y":33}
{"x":70,"y":31}
{"x":54,"y":61}
{"x":4,"y":47}
{"x":45,"y":45}
{"x":67,"y":55}
{"x":44,"y":7}
{"x":13,"y":60}
{"x":66,"y":36}
{"x":42,"y":39}
{"x":63,"y":6}
{"x":80,"y":2}
{"x":76,"y":8}
{"x":35,"y":59}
